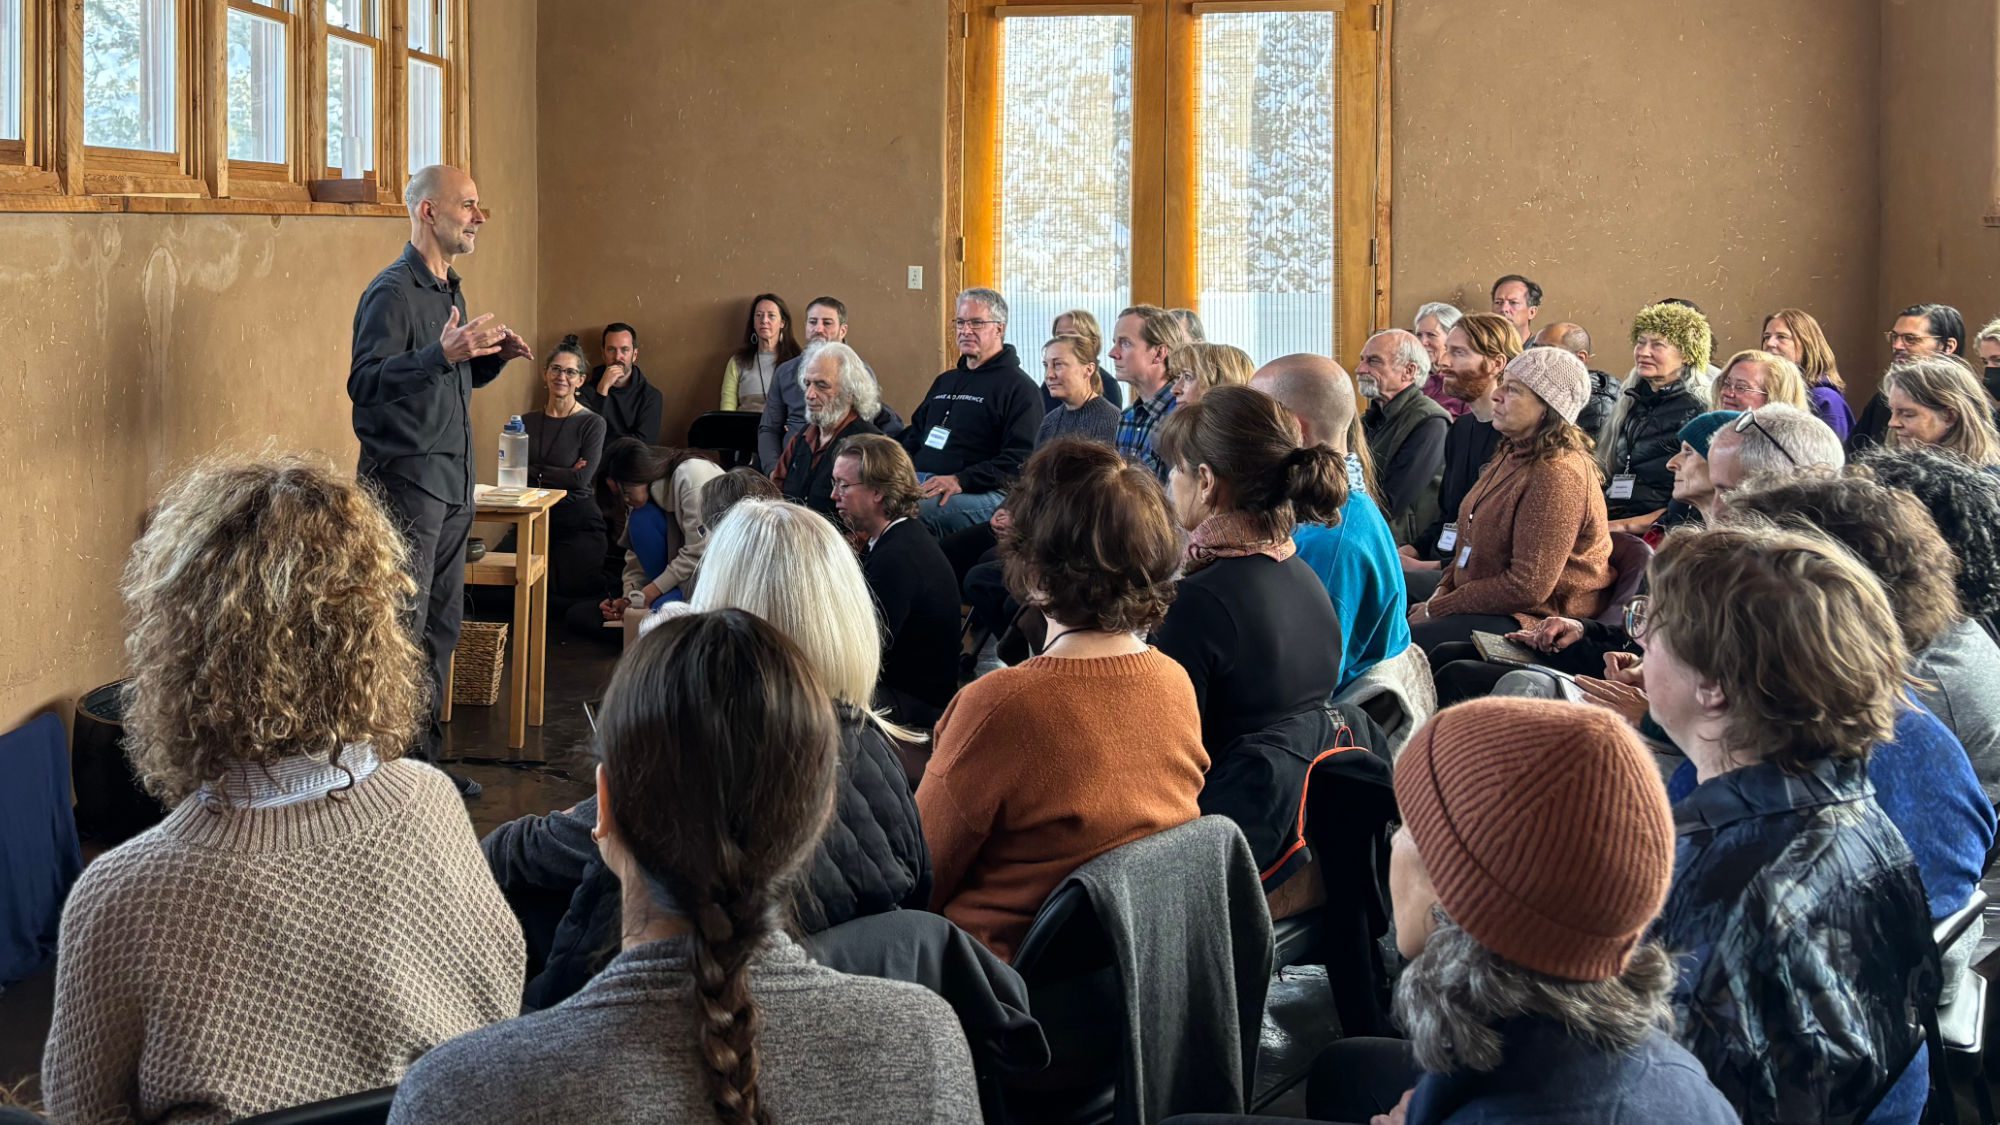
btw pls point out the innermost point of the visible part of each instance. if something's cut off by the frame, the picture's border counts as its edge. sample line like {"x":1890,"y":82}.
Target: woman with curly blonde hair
{"x":314,"y":914}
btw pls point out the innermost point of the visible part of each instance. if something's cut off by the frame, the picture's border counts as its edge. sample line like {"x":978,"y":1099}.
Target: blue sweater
{"x":1356,"y":562}
{"x":1550,"y":1077}
{"x":1925,"y":783}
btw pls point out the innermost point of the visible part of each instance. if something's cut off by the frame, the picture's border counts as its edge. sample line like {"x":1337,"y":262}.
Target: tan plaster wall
{"x":696,"y":154}
{"x":1618,"y":151}
{"x":135,"y":344}
{"x":1938,"y":156}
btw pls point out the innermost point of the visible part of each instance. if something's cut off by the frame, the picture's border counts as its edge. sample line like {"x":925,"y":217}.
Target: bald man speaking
{"x":417,"y":357}
{"x":1356,"y":559}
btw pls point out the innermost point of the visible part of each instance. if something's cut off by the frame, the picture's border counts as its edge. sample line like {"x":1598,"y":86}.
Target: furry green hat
{"x":1680,"y":326}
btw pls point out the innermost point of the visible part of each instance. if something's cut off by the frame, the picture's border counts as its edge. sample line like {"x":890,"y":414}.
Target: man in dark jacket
{"x":619,"y":392}
{"x":1405,"y":430}
{"x":875,"y":490}
{"x":1597,"y":411}
{"x":977,"y":424}
{"x":416,"y":358}
{"x":840,"y":398}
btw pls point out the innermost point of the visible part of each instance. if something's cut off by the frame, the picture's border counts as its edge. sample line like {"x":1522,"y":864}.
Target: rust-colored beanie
{"x":1543,"y":827}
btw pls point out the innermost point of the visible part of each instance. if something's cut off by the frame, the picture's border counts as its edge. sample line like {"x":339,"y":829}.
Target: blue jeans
{"x":964,"y":510}
{"x":646,"y":535}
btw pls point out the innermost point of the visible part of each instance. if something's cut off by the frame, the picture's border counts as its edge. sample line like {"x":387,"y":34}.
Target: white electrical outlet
{"x":916,"y":277}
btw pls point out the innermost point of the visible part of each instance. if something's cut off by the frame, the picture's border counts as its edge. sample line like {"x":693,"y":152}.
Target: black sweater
{"x":992,"y":411}
{"x":555,"y":445}
{"x":918,"y":594}
{"x":632,"y":410}
{"x":872,"y":859}
{"x":1467,"y":449}
{"x":1259,"y":640}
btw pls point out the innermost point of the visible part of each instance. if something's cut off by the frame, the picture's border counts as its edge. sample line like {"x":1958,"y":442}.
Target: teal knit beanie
{"x":1700,"y":429}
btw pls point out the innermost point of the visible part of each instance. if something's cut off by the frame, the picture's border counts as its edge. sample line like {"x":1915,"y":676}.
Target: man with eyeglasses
{"x":977,"y":424}
{"x":1919,"y":330}
{"x":1774,"y":438}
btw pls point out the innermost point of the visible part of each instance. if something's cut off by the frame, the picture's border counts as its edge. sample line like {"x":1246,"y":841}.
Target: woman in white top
{"x":767,"y":343}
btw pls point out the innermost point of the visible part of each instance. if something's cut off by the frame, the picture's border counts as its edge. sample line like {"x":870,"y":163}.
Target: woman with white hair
{"x":1433,"y":326}
{"x":841,"y":397}
{"x":791,"y":568}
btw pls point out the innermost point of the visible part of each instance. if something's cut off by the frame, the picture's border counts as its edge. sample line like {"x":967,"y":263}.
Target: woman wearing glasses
{"x":1937,"y":401}
{"x":565,"y":447}
{"x":1795,"y":335}
{"x":1753,"y":378}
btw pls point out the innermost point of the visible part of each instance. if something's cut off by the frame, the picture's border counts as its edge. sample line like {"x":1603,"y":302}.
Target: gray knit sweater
{"x":1096,"y":420}
{"x":833,"y":1048}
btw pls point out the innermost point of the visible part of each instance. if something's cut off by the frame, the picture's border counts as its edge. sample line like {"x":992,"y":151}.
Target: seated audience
{"x":875,"y":490}
{"x":1144,"y":338}
{"x":785,"y":408}
{"x":1406,"y":429}
{"x":1201,"y":367}
{"x":1080,"y":322}
{"x":1354,"y":556}
{"x":726,"y":491}
{"x":1919,"y":331}
{"x":1034,"y":774}
{"x":312,"y":914}
{"x":664,"y":538}
{"x":1519,"y":301}
{"x":1773,"y":660}
{"x":1964,"y":502}
{"x":565,"y":448}
{"x":1670,"y":345}
{"x":1954,"y":666}
{"x":1987,"y":347}
{"x":1795,"y":335}
{"x":1476,"y":352}
{"x":1191,"y":325}
{"x":1535,"y":851}
{"x":721,"y":756}
{"x":1250,"y":621}
{"x":794,"y":572}
{"x":1604,"y":389}
{"x":1754,"y":378}
{"x":768,"y":341}
{"x":977,"y":424}
{"x":1072,"y":378}
{"x":1770,"y":439}
{"x":1938,"y":401}
{"x":618,"y":391}
{"x":1434,"y":322}
{"x":840,"y":398}
{"x":1531,"y":538}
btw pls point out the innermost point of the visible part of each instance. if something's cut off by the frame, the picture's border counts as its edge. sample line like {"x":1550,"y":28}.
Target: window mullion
{"x":392,"y":105}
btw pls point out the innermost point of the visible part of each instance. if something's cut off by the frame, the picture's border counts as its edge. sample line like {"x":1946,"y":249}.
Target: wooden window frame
{"x":51,"y":169}
{"x":1164,"y":219}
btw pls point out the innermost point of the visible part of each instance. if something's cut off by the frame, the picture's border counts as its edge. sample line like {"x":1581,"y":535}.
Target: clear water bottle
{"x":514,"y":454}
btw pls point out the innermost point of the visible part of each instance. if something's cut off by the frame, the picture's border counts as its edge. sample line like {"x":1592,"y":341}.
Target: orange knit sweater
{"x":1538,"y":542}
{"x":1044,"y":766}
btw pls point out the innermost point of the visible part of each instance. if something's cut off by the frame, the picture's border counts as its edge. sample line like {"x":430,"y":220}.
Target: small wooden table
{"x":526,"y":569}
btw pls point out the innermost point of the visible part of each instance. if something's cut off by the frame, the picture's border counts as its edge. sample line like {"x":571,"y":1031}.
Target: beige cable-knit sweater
{"x":225,"y":964}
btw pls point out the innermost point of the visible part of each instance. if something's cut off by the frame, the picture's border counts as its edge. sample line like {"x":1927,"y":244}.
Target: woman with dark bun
{"x":720,"y":752}
{"x":565,"y":450}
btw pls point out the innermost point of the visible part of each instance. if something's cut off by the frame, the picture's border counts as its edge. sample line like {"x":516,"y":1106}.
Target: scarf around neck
{"x":1234,"y":535}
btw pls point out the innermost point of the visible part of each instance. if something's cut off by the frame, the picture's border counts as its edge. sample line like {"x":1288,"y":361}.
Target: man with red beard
{"x":1475,"y":353}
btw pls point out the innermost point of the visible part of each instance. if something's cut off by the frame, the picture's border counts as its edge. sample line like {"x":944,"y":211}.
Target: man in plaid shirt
{"x":1143,"y":338}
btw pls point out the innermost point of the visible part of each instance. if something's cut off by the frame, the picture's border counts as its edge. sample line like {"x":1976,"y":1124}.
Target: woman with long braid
{"x":719,"y":751}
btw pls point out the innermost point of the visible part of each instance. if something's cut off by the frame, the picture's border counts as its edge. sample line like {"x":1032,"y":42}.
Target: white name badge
{"x":939,"y":435}
{"x":1621,"y":486}
{"x":1449,"y":539}
{"x":1464,"y":553}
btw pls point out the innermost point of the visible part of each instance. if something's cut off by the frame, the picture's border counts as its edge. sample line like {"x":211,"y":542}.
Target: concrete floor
{"x":552,"y":771}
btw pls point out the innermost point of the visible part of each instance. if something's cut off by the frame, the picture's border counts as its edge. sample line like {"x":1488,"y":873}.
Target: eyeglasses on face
{"x":1740,"y":387}
{"x":1638,"y":616}
{"x":1907,"y":339}
{"x":1748,"y":421}
{"x":566,"y":372}
{"x":962,"y":324}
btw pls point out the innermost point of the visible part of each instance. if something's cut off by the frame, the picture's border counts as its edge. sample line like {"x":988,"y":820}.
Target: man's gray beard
{"x":1368,"y":386}
{"x":826,"y":423}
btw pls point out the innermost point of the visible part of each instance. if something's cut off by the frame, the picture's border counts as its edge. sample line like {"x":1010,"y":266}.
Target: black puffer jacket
{"x":872,"y":859}
{"x":1603,"y":402}
{"x":1648,"y":439}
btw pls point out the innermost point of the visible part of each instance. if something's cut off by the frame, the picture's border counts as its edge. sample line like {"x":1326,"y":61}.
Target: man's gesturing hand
{"x":464,"y":342}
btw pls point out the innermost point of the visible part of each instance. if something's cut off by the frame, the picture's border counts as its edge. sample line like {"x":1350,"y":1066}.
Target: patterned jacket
{"x":1807,"y":964}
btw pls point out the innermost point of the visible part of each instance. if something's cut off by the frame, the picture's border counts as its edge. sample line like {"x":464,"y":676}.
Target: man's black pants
{"x":435,"y":531}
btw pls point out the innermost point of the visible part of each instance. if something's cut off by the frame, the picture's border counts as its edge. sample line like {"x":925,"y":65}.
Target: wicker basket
{"x":478,"y":663}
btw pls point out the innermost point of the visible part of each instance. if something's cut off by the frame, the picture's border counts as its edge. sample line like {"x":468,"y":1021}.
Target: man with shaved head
{"x":1355,"y":559}
{"x":417,"y":357}
{"x":1596,"y":412}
